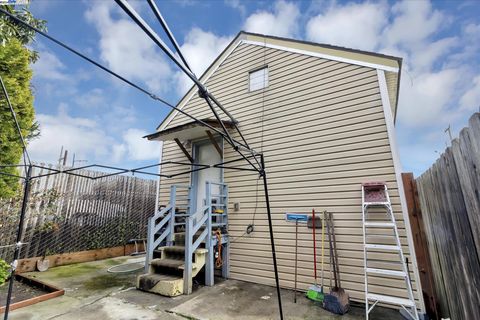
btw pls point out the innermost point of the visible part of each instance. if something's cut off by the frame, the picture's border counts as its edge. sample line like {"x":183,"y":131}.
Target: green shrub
{"x":4,"y":271}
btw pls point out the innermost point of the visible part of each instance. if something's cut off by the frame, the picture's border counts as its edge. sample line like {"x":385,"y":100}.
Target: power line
{"x":14,"y":116}
{"x":116,"y":75}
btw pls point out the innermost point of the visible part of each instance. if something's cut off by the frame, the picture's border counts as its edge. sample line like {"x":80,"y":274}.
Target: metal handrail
{"x":168,"y":220}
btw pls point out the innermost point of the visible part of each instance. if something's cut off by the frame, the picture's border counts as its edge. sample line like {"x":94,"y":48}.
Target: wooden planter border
{"x":53,"y":292}
{"x":29,"y":264}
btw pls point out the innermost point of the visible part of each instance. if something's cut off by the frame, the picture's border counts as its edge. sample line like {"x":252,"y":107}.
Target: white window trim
{"x":265,"y":79}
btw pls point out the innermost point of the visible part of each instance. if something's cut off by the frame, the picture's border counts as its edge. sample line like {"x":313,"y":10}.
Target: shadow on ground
{"x":94,"y":294}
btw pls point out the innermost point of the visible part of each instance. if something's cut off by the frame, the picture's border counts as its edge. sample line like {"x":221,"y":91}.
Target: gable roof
{"x":390,"y":64}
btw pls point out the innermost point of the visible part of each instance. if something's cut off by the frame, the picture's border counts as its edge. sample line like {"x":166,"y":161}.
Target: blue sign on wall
{"x":293,"y":217}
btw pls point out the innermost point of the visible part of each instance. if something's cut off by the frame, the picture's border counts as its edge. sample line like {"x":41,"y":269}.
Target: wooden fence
{"x":450,"y":203}
{"x":68,"y":213}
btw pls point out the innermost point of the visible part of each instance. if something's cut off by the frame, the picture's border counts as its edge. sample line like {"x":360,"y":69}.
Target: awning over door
{"x":189,"y":131}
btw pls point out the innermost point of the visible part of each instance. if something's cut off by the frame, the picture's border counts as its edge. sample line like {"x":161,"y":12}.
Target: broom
{"x":315,"y":292}
{"x":337,"y":301}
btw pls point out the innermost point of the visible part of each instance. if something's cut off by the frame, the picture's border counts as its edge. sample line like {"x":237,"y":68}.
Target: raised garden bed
{"x":27,"y":291}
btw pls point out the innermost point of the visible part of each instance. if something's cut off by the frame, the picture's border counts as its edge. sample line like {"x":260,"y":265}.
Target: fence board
{"x":450,"y":203}
{"x":69,"y":213}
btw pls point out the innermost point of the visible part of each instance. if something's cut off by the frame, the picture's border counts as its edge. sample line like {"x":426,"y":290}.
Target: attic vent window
{"x":259,"y":79}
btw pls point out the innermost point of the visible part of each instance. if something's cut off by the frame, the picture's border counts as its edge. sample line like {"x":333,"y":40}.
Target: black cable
{"x":169,"y":33}
{"x":14,"y":116}
{"x":201,"y":88}
{"x":81,"y":55}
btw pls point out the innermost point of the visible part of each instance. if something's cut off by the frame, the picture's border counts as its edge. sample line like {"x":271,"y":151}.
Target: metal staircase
{"x":375,"y":195}
{"x":180,"y":243}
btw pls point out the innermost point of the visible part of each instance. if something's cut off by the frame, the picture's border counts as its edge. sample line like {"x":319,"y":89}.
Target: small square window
{"x":258,"y":79}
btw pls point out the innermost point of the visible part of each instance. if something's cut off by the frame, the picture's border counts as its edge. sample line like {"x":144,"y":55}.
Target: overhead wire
{"x":251,"y":226}
{"x":202,"y":90}
{"x":17,"y":124}
{"x":116,"y":75}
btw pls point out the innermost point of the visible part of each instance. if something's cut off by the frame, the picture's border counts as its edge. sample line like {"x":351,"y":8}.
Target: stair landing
{"x":165,"y":276}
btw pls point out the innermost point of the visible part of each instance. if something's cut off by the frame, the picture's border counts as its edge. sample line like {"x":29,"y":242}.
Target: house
{"x":323,"y":116}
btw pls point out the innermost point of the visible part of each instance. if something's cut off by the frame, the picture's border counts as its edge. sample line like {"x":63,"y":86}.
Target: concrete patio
{"x":93,"y":293}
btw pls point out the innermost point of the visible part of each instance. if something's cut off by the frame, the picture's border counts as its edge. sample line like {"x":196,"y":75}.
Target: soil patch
{"x":21,"y":291}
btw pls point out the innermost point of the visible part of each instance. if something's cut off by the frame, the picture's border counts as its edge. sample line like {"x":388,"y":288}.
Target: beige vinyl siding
{"x":323,"y":133}
{"x":392,"y":85}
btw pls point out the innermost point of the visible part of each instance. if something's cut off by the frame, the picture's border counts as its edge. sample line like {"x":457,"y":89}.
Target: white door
{"x":207,"y":154}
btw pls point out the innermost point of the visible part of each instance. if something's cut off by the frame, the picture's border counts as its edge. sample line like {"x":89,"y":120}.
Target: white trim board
{"x":241,"y":40}
{"x":186,"y":99}
{"x":398,"y":174}
{"x":323,"y":56}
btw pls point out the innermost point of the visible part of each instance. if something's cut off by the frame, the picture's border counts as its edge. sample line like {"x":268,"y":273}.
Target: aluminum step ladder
{"x":375,"y":195}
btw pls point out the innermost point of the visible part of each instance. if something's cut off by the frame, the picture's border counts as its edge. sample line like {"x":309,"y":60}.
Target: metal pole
{"x":296,"y":252}
{"x":16,"y":254}
{"x":272,"y":241}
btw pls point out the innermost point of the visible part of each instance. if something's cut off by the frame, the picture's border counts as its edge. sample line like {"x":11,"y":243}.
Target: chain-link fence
{"x":68,"y":213}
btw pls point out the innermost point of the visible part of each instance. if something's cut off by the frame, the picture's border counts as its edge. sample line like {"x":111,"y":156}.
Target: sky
{"x":102,"y":120}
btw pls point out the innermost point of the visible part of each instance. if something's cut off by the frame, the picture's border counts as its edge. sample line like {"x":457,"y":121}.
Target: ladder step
{"x":390,"y":299}
{"x":382,"y":247}
{"x":376,"y":203}
{"x":386,"y":272}
{"x":379,"y":224}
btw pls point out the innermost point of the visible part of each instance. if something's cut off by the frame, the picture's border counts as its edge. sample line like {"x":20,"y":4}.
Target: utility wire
{"x":14,"y":116}
{"x":130,"y":11}
{"x":116,"y":75}
{"x":169,"y":33}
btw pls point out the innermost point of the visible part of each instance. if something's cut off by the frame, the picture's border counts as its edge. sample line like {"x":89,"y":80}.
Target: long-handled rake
{"x":315,"y":292}
{"x":337,"y":301}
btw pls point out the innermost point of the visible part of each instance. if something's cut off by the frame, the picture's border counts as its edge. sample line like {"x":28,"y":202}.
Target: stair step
{"x":386,"y":272}
{"x":174,"y":249}
{"x":390,"y":299}
{"x":379,"y":224}
{"x":160,"y":277}
{"x":382,"y":247}
{"x":379,"y":204}
{"x":167,"y":263}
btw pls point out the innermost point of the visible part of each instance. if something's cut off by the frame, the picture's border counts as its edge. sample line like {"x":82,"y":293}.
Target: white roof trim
{"x":242,"y":40}
{"x":324,"y":56}
{"x":203,"y":80}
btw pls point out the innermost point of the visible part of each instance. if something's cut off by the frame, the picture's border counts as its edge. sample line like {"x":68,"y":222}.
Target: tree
{"x":15,"y":70}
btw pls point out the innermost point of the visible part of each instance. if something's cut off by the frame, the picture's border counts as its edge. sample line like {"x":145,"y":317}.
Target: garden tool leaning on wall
{"x":315,"y":292}
{"x":337,"y":301}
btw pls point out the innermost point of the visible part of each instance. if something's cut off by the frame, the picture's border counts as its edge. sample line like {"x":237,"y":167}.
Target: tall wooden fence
{"x":449,"y":194}
{"x":69,"y":213}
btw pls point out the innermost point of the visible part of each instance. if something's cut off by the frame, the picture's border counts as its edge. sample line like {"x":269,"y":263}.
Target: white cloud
{"x":470,"y":100}
{"x":424,"y":59}
{"x":200,"y":49}
{"x":127,"y":49}
{"x":91,"y":99}
{"x":49,"y":67}
{"x":236,"y":4}
{"x":353,"y":25}
{"x":138,"y":148}
{"x":427,"y":101}
{"x":415,"y":22}
{"x":89,"y":139}
{"x":81,"y":136}
{"x":283,"y":22}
